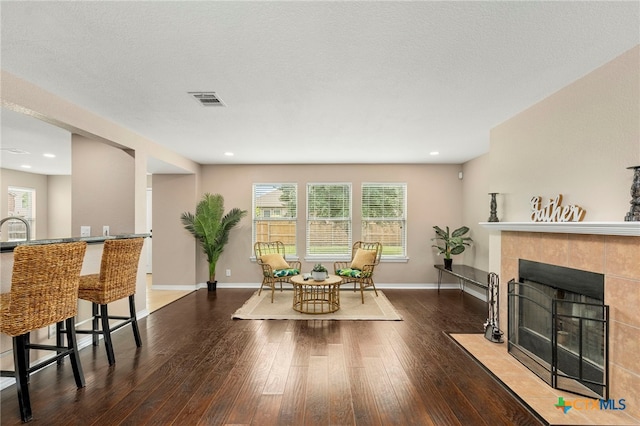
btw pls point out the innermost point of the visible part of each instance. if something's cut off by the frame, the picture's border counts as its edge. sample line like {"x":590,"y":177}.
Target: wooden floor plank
{"x":244,"y":405}
{"x":340,"y":405}
{"x":198,"y":366}
{"x":317,"y":392}
{"x":277,"y":379}
{"x":365,"y":410}
{"x":293,"y":400}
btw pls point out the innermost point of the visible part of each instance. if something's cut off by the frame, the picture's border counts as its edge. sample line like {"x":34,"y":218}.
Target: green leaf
{"x":210,"y":226}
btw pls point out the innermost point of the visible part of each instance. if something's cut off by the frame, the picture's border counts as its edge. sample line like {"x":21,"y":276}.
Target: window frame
{"x":345,"y":252}
{"x":291,"y":242}
{"x":402,"y":219}
{"x":27,"y":213}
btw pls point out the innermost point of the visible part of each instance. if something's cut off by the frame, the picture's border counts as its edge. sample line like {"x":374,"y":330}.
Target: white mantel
{"x":601,"y":228}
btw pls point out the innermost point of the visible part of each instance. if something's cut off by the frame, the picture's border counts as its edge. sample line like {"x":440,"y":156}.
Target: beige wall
{"x":476,"y":209}
{"x":174,"y":249}
{"x":59,"y":207}
{"x":577,"y":142}
{"x":102,"y":190}
{"x":434,"y":198}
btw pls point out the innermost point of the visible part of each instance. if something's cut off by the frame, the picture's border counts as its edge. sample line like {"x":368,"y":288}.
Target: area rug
{"x":351,"y":307}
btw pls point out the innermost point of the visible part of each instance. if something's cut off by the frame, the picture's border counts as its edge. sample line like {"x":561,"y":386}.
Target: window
{"x":21,"y":203}
{"x":328,"y":220}
{"x":384,"y":216}
{"x":275,"y":207}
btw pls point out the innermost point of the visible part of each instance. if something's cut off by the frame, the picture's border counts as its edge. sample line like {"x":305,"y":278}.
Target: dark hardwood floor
{"x":198,"y":366}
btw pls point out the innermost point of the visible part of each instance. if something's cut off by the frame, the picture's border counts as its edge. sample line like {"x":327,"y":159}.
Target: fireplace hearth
{"x":558,"y":327}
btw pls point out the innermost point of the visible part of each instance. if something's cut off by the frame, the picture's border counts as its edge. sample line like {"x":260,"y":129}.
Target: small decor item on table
{"x":319,"y":272}
{"x":634,"y":211}
{"x":450,"y":243}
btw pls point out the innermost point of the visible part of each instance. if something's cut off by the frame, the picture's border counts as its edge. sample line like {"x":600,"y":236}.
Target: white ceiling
{"x":309,"y":82}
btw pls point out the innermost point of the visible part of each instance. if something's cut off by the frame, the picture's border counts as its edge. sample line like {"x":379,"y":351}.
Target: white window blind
{"x":275,"y":211}
{"x":328,"y":219}
{"x":384,"y":207}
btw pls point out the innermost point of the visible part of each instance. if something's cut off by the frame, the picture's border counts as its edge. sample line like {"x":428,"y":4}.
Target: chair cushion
{"x":275,"y":260}
{"x":363,"y":257}
{"x":349,"y":272}
{"x":287,"y":272}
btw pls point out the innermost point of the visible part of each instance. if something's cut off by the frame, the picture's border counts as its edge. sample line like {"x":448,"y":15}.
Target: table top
{"x":469,"y":273}
{"x":6,"y":246}
{"x":299,"y":279}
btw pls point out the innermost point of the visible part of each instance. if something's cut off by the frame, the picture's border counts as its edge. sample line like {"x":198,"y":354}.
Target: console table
{"x":465,"y":274}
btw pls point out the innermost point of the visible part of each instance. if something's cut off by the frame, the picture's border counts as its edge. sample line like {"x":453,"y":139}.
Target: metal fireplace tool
{"x":491,"y":330}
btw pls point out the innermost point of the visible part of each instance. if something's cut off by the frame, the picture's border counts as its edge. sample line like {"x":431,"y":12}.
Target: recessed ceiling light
{"x":48,"y":155}
{"x":229,"y":154}
{"x":434,"y":153}
{"x":25,"y":166}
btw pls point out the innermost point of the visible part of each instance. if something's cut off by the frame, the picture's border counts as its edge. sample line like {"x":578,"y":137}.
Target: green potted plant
{"x":319,"y":272}
{"x":450,"y":243}
{"x":210,"y":226}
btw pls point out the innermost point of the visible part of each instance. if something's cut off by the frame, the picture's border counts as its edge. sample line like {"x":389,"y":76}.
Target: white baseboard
{"x":398,"y":286}
{"x":175,"y":287}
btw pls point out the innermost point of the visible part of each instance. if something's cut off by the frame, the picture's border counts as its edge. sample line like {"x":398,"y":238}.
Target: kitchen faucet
{"x":21,"y":219}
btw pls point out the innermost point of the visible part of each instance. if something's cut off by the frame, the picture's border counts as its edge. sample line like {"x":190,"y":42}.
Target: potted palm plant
{"x":210,"y":226}
{"x":450,"y":243}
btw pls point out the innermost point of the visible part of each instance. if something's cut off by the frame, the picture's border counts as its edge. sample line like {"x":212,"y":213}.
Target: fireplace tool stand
{"x":491,"y":330}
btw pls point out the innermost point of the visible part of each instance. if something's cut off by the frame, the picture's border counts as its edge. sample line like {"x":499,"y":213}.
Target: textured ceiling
{"x":311,"y":82}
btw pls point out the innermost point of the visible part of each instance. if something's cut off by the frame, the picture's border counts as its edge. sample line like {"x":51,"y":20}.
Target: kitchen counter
{"x":6,"y":246}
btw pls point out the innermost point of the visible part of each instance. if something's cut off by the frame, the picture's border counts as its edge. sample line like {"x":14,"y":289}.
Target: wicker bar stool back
{"x":116,"y":280}
{"x":44,"y":291}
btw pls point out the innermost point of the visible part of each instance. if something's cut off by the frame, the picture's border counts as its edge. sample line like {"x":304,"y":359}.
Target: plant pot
{"x":318,"y":276}
{"x":448,"y":263}
{"x":211,"y":285}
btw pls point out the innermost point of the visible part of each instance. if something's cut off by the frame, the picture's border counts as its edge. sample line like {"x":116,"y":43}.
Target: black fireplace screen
{"x":560,"y":335}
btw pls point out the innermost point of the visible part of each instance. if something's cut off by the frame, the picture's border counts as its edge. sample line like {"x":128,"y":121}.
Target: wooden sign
{"x":554,"y":211}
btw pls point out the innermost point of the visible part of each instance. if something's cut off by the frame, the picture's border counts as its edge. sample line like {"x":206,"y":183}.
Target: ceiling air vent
{"x":207,"y":99}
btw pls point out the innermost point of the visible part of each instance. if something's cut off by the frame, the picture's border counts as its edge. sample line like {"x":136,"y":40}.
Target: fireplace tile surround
{"x":618,"y":259}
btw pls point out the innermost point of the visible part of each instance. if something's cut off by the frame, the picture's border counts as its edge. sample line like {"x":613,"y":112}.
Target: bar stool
{"x":44,"y":291}
{"x":116,"y":280}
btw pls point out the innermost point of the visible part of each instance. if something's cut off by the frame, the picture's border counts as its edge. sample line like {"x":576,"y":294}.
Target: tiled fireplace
{"x":618,"y":259}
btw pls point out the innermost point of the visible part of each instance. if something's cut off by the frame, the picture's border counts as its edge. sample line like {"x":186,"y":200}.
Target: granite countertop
{"x":10,"y":245}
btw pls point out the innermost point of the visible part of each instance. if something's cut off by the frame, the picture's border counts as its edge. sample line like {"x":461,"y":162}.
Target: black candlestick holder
{"x":634,"y":211}
{"x":494,"y":207}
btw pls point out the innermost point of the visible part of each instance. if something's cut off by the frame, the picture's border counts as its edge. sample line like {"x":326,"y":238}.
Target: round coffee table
{"x":316,"y":297}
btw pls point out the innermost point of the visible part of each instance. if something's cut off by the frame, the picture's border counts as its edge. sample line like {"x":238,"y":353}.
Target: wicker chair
{"x":270,"y":256}
{"x":116,"y":280}
{"x":364,"y":258}
{"x":44,"y":291}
